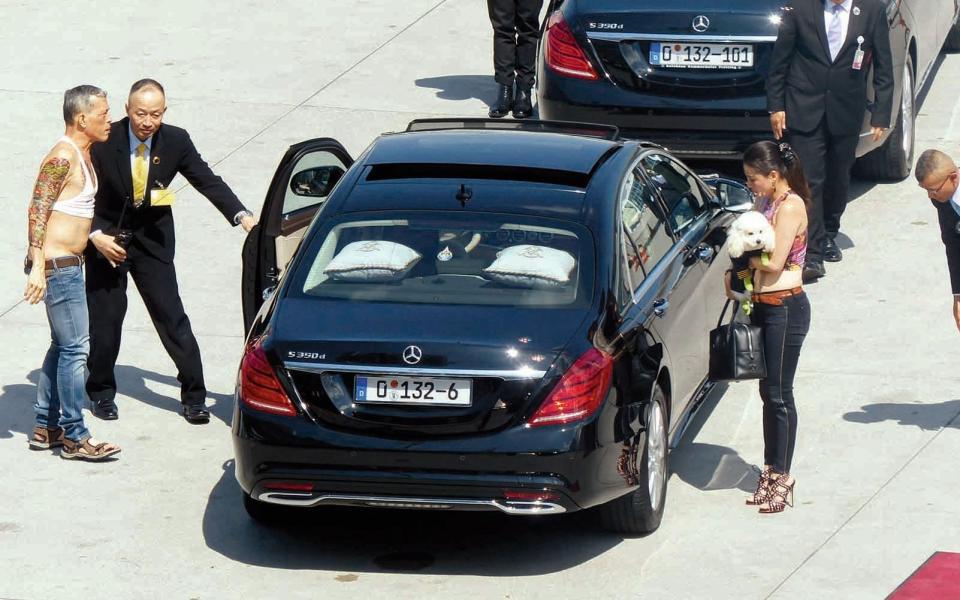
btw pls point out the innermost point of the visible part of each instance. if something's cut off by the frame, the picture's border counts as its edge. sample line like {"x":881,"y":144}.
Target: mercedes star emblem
{"x":412,"y":355}
{"x":701,"y":23}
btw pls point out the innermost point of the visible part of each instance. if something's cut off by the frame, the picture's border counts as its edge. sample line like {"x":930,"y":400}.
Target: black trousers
{"x":156,"y":281}
{"x":827,"y":160}
{"x":784,"y":328}
{"x":516,"y":29}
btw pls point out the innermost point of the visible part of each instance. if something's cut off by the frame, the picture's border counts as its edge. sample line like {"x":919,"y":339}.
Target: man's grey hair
{"x":79,"y":100}
{"x":930,"y":162}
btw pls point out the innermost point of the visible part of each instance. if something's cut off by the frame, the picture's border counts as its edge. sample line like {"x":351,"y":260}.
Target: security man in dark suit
{"x":817,"y":94}
{"x":937,"y":175}
{"x":133,"y":234}
{"x":516,"y":29}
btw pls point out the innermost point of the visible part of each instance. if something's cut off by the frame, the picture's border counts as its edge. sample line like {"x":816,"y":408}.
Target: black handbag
{"x":736,"y":350}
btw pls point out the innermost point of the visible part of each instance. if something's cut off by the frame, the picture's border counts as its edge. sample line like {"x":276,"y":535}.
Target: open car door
{"x":307,"y":174}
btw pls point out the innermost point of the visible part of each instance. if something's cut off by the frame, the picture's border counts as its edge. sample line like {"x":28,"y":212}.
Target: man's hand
{"x":36,"y":284}
{"x":956,"y":311}
{"x":109,"y":249}
{"x":247,"y":222}
{"x":778,"y":123}
{"x":877,"y":133}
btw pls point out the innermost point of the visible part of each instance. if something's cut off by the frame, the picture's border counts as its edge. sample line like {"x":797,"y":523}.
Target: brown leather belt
{"x":58,"y":262}
{"x":776,"y":298}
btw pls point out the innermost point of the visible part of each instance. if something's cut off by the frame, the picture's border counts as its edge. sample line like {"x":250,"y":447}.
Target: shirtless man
{"x":59,"y":217}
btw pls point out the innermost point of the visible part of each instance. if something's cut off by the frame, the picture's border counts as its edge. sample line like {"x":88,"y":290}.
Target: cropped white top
{"x":80,"y":205}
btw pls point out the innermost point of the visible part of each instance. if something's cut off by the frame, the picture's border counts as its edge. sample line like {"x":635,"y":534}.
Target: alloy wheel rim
{"x":906,"y":105}
{"x":656,"y":456}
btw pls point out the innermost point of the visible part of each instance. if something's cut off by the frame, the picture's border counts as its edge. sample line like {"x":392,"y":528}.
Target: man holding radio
{"x":133,"y":234}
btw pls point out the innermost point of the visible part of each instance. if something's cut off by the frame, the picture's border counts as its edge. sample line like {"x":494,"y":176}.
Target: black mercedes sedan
{"x":477,"y":315}
{"x":690,"y":75}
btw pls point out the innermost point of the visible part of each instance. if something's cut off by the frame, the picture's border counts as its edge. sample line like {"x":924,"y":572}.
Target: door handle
{"x":660,"y":307}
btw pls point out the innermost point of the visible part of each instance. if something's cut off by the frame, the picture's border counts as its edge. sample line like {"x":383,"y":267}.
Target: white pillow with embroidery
{"x":532,"y":266}
{"x":372,"y":261}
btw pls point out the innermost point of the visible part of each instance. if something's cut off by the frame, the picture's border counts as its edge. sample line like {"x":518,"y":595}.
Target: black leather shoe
{"x":812,"y":271}
{"x":196,"y":414}
{"x":523,"y":104}
{"x":831,"y":251}
{"x":504,"y":103}
{"x":105,"y":409}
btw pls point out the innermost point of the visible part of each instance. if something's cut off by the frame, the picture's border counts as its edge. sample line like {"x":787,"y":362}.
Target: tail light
{"x":563,"y":53}
{"x":579,"y":392}
{"x":259,"y":387}
{"x":530,"y":496}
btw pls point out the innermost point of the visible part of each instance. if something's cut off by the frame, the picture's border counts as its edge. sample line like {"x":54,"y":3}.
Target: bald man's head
{"x":145,"y":106}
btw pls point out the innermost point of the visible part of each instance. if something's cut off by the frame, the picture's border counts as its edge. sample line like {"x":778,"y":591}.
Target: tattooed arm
{"x":50,"y":182}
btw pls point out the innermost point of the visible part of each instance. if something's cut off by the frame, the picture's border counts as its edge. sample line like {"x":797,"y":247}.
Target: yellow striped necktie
{"x":140,"y":175}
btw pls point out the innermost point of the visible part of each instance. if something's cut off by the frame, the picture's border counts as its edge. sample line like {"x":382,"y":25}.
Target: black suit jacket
{"x":951,"y":240}
{"x":172,"y":151}
{"x":805,"y":83}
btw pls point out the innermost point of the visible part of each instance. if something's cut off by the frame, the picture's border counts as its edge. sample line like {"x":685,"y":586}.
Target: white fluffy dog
{"x":749,"y":235}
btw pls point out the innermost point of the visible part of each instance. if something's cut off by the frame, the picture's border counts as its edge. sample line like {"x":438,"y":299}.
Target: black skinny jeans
{"x":784,"y":328}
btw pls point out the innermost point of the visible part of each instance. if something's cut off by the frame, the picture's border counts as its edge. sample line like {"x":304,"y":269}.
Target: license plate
{"x":686,"y":55}
{"x":427,"y":391}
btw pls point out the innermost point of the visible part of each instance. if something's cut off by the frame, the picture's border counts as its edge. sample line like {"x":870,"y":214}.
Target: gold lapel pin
{"x":156,"y":160}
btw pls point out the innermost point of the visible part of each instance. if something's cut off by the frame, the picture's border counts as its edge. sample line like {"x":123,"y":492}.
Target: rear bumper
{"x":721,"y":127}
{"x":520,"y":471}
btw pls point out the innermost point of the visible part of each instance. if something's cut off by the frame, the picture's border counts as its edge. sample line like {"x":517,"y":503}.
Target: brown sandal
{"x":84,"y":450}
{"x":45,"y":438}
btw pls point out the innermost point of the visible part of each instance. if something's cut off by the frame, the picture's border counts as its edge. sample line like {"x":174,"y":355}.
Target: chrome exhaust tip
{"x":309,"y":499}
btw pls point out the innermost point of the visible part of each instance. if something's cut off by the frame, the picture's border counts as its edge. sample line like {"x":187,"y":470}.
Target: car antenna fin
{"x":464,"y":194}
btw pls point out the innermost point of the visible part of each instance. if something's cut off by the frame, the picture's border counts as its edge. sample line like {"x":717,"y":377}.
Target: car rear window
{"x":448,"y":258}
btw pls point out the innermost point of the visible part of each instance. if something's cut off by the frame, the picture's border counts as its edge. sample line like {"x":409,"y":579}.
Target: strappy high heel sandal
{"x":763,"y":490}
{"x":780,"y":496}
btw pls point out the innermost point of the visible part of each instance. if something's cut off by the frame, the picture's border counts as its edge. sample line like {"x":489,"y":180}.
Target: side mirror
{"x":733,"y":195}
{"x":316,"y":182}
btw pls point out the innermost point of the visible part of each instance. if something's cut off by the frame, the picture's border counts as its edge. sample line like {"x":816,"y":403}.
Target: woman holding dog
{"x":775,"y":176}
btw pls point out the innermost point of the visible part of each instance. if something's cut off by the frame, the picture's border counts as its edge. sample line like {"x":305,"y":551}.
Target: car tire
{"x":952,"y":43}
{"x":893,"y":160}
{"x":265,"y":513}
{"x":640,"y":511}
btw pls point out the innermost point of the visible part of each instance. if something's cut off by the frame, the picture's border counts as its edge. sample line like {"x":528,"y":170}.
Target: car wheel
{"x":265,"y":513}
{"x":893,"y":160}
{"x":952,"y":43}
{"x":641,"y":510}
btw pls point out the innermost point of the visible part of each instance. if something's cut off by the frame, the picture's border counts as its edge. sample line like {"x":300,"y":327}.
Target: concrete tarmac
{"x":876,"y":390}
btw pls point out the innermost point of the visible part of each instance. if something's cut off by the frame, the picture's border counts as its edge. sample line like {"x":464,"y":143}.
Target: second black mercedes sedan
{"x":691,"y":75}
{"x":481,"y":315}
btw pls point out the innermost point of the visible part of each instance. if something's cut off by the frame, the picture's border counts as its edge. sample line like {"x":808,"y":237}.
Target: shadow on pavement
{"x":132,"y":382}
{"x":16,"y":406}
{"x":929,"y":417}
{"x":375,"y":540}
{"x":707,"y":466}
{"x":462,"y":87}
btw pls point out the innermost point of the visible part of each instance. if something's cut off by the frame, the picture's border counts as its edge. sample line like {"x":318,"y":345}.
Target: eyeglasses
{"x":939,"y":187}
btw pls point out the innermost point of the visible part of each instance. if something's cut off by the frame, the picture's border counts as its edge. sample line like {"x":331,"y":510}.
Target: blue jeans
{"x":60,"y":391}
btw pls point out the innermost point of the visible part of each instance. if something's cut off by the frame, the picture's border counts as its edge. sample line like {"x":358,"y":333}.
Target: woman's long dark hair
{"x":767,"y":156}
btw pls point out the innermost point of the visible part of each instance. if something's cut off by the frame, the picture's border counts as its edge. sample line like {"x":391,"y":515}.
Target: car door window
{"x":645,"y":236}
{"x":311,"y":179}
{"x":678,"y":188}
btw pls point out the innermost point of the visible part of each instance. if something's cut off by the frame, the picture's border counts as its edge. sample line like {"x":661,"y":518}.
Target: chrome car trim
{"x":503,"y":374}
{"x":660,"y":37}
{"x":510,"y":507}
